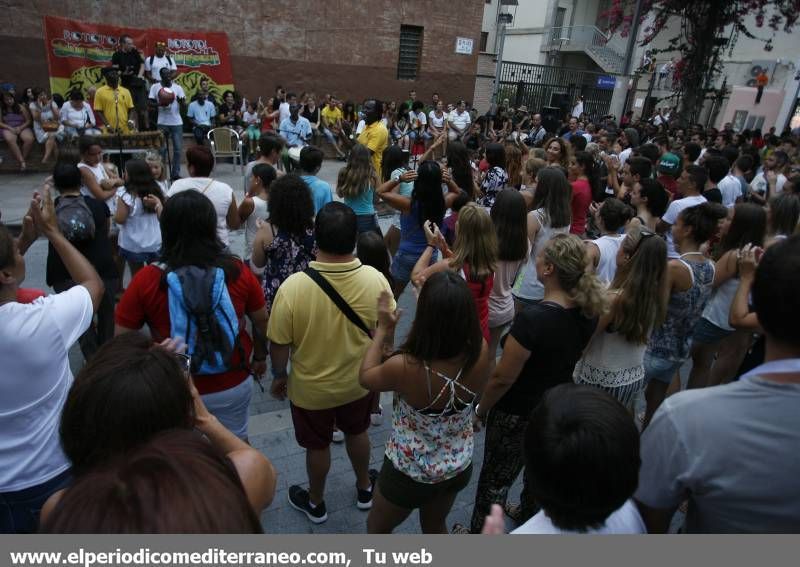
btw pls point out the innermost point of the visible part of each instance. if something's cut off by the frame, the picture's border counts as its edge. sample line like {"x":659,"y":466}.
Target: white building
{"x":574,"y":34}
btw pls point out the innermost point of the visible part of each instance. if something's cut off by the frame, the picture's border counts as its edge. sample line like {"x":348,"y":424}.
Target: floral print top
{"x":494,"y":182}
{"x":431,"y":446}
{"x":285,"y":255}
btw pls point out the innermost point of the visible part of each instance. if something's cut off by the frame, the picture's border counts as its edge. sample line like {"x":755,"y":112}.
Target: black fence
{"x":537,"y":86}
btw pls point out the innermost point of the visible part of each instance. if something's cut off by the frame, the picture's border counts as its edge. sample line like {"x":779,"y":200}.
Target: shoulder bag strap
{"x":340,"y":302}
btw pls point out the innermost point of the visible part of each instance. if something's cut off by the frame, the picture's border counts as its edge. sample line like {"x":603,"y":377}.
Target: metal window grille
{"x":410,"y":52}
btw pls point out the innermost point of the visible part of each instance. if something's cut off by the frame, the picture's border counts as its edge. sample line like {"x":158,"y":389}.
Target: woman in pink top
{"x":583,"y":178}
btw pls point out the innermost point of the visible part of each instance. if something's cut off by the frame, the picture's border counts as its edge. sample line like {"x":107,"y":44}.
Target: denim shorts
{"x":403,"y":264}
{"x":706,"y":332}
{"x":138,"y":257}
{"x":660,"y":369}
{"x":367,"y":223}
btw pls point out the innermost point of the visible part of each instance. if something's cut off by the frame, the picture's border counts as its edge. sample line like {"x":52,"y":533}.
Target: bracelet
{"x":278,"y":374}
{"x":256,"y":359}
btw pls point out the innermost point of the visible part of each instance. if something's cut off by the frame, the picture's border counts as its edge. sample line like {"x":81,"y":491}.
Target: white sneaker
{"x":338,"y":436}
{"x":377,"y":418}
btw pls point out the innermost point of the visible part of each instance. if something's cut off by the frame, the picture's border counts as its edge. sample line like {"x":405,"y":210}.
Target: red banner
{"x":78,"y":51}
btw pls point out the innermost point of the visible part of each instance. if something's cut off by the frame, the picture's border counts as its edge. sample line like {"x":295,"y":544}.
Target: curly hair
{"x":567,"y":253}
{"x":290,"y":205}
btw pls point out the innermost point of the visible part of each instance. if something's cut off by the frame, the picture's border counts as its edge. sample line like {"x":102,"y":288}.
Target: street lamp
{"x":503,"y":19}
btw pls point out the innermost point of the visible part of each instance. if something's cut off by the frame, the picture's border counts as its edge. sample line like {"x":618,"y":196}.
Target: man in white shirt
{"x":577,"y":110}
{"x":154,"y":63}
{"x":761,"y":188}
{"x":731,"y":450}
{"x":284,"y":107}
{"x":458,"y":121}
{"x":690,"y":184}
{"x":574,"y":424}
{"x":169,"y":119}
{"x":200,"y":163}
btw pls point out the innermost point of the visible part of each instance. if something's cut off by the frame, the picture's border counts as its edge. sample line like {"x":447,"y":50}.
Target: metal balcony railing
{"x":607,"y":48}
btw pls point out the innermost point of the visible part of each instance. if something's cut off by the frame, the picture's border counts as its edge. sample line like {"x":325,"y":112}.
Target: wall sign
{"x":464,"y":45}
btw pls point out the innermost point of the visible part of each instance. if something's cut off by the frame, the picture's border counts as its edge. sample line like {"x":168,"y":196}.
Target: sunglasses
{"x":645,"y":234}
{"x":186,"y":363}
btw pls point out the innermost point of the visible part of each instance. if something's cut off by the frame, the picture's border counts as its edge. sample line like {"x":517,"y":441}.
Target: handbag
{"x":337,"y":299}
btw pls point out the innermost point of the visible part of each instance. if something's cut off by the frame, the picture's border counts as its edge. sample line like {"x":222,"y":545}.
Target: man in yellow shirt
{"x":113,"y":104}
{"x":375,"y":135}
{"x":323,"y":385}
{"x":332,"y":125}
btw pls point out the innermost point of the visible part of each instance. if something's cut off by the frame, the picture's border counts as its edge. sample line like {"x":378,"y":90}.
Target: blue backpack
{"x":201,"y":311}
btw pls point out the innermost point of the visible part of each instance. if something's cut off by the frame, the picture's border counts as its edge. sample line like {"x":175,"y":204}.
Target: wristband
{"x":278,"y":374}
{"x":256,"y":359}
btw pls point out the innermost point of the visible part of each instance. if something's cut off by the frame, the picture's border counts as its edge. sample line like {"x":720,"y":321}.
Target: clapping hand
{"x":43,"y":211}
{"x":408,"y":176}
{"x":433,"y":235}
{"x":387,"y":317}
{"x":748,"y":258}
{"x":494,"y":524}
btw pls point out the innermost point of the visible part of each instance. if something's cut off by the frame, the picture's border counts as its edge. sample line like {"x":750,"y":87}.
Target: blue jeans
{"x":19,"y":511}
{"x":175,"y":135}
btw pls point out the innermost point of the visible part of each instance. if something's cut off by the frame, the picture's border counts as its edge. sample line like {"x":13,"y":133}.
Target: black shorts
{"x":405,"y":492}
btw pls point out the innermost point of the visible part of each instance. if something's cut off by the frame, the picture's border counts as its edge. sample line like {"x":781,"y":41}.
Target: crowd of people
{"x":562,"y":280}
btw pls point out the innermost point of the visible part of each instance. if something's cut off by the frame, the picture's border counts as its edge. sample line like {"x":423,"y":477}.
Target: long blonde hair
{"x":642,"y":280}
{"x":567,"y":253}
{"x":358,"y":175}
{"x":514,"y":165}
{"x":476,"y":243}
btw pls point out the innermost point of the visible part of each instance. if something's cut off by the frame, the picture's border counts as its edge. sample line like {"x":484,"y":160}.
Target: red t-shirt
{"x":145,"y":301}
{"x":581,"y":199}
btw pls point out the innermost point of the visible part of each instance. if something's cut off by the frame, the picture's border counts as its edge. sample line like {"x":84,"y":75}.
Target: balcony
{"x":606,"y":50}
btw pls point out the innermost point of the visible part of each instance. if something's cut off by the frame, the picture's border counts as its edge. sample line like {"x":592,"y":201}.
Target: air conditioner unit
{"x":755,"y":68}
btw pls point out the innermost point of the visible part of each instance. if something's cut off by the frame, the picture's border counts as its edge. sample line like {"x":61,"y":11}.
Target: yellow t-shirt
{"x":376,"y":137}
{"x":330,"y":117}
{"x":327,"y":348}
{"x":104,"y":102}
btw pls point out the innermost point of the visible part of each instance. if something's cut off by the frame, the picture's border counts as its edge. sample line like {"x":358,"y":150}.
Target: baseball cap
{"x":669,"y":164}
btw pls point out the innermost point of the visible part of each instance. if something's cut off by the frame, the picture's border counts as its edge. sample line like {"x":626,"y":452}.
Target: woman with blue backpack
{"x":201,"y":293}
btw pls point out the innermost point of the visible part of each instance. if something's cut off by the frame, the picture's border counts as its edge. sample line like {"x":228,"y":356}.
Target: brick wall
{"x":349,"y":47}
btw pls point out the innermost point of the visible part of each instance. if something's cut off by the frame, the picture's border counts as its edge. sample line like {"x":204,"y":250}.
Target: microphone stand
{"x":119,"y":130}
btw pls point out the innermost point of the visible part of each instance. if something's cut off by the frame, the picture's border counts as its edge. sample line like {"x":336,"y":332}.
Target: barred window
{"x":410,"y":52}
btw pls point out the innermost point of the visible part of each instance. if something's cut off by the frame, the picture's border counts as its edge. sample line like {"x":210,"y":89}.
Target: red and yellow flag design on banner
{"x":78,"y":51}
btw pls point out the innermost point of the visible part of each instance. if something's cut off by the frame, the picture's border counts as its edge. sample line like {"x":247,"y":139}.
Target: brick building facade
{"x":346,"y":47}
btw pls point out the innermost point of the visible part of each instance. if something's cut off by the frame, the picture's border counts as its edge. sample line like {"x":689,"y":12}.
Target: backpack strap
{"x":337,"y":299}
